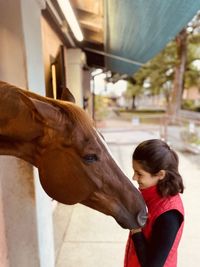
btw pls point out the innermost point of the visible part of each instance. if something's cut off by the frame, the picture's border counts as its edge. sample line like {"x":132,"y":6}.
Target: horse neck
{"x":18,"y":131}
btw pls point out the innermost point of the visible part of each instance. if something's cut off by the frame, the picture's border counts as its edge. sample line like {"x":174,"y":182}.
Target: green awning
{"x":136,"y":30}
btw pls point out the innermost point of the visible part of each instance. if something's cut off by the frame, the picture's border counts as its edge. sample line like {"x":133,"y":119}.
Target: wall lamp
{"x":68,"y":12}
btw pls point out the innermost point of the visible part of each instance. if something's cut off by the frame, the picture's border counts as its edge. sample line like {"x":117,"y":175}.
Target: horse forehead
{"x":105,"y":145}
{"x":91,"y":138}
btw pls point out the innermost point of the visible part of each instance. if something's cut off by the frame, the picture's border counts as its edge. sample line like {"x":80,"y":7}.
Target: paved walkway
{"x":86,"y":238}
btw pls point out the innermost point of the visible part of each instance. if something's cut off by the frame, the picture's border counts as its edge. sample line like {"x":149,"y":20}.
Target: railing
{"x":189,"y":133}
{"x":180,"y":131}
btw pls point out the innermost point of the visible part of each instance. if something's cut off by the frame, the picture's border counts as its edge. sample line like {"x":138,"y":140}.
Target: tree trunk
{"x":178,"y":84}
{"x":133,"y":102}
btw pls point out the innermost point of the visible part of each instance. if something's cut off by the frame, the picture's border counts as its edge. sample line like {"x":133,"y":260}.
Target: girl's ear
{"x":161,"y":174}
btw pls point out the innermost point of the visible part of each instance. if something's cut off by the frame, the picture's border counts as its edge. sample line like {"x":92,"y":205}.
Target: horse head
{"x":74,"y":162}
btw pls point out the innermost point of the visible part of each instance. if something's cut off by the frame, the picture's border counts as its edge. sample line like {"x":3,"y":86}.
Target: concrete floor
{"x":86,"y":238}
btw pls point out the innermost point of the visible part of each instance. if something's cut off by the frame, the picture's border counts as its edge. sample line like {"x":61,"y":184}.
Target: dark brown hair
{"x":155,"y":155}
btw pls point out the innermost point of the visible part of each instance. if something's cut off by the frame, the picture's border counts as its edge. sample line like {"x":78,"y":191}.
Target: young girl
{"x":155,"y":167}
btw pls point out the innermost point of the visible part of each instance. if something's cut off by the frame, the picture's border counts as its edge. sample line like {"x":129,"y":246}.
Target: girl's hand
{"x":134,"y":231}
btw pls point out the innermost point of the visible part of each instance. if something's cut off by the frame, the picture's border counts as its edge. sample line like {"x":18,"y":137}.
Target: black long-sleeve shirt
{"x":153,"y":253}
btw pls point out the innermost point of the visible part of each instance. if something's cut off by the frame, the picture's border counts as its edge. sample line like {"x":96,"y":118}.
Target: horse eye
{"x":90,"y":158}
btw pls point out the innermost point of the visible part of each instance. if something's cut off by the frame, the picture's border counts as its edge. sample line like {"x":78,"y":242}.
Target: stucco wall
{"x":51,"y":43}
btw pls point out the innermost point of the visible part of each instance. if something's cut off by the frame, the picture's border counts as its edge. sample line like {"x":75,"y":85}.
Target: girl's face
{"x":143,"y":178}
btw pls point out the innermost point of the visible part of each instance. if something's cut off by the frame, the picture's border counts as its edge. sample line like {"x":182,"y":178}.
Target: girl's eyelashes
{"x":137,"y":173}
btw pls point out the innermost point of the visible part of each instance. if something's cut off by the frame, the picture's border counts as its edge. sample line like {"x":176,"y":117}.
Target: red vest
{"x":156,"y":206}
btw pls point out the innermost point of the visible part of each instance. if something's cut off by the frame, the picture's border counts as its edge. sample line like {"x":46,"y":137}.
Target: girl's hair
{"x":155,"y":155}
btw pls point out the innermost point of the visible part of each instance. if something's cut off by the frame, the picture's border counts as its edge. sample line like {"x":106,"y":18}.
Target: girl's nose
{"x":134,"y":177}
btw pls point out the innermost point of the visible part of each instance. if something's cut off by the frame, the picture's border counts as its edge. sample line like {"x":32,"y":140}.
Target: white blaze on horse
{"x":74,"y":164}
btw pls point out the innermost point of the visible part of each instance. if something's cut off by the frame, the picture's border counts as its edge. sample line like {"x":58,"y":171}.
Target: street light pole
{"x":94,"y":74}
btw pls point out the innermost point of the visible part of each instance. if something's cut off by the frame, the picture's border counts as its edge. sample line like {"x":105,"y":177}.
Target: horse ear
{"x":43,"y":111}
{"x":67,"y":95}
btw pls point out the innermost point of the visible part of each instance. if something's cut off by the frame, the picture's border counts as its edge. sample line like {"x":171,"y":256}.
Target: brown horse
{"x":74,"y":163}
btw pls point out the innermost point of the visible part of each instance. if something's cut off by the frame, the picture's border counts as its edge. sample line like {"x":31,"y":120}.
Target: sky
{"x":105,"y":88}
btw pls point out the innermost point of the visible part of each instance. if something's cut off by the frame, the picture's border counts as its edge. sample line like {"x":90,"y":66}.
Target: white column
{"x":20,"y":224}
{"x":75,"y":60}
{"x":36,"y":82}
{"x":3,"y":245}
{"x":26,"y":235}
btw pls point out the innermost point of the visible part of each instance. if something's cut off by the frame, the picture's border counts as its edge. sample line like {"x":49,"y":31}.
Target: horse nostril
{"x":141,"y":218}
